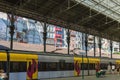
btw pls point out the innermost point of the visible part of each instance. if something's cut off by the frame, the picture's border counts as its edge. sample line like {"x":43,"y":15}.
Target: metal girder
{"x":22,"y":4}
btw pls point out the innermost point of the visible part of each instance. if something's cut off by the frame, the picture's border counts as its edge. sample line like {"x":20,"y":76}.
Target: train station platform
{"x":106,"y":77}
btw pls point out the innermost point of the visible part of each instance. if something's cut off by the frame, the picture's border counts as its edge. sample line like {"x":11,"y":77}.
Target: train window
{"x":52,"y":66}
{"x":84,"y":66}
{"x":42,"y":66}
{"x":18,"y":66}
{"x":3,"y":65}
{"x":69,"y":66}
{"x":103,"y":65}
{"x":47,"y":66}
{"x":62,"y":65}
{"x":91,"y":66}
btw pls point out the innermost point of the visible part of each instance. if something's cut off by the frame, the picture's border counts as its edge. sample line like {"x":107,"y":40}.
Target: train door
{"x":32,"y":69}
{"x":77,"y":66}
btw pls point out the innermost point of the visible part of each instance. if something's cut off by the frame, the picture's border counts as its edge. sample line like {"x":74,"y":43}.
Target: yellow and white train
{"x":29,"y":65}
{"x":23,"y":66}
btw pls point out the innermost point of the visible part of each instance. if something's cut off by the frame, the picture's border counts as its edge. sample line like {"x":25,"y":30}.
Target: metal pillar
{"x":100,"y":46}
{"x":119,"y":46}
{"x":86,"y":43}
{"x":94,"y":47}
{"x":12,"y":27}
{"x":68,"y":41}
{"x":8,"y":64}
{"x":82,"y":41}
{"x":82,"y":68}
{"x":45,"y":36}
{"x":111,"y":47}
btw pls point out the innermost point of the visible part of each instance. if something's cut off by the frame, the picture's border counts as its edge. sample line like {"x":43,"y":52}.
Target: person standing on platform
{"x":113,"y":69}
{"x":118,"y":70}
{"x":109,"y":69}
{"x":3,"y":75}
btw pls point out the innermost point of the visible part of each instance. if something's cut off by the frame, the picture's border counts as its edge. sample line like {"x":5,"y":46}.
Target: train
{"x":35,"y":66}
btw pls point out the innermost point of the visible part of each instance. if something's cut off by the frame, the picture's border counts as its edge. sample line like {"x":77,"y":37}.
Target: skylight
{"x":110,"y":8}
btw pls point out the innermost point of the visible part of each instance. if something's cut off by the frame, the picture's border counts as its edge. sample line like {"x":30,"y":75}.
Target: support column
{"x":45,"y":35}
{"x":86,"y":43}
{"x":111,"y":48}
{"x":12,"y":27}
{"x":8,"y":64}
{"x":83,"y":42}
{"x":94,"y":47}
{"x":68,"y":41}
{"x":100,"y":46}
{"x":119,"y":46}
{"x":82,"y":67}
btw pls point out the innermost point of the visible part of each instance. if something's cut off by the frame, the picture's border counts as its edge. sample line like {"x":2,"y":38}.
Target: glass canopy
{"x":110,"y":8}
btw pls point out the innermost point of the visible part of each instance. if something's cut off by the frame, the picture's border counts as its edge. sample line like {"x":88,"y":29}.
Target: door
{"x":32,"y":69}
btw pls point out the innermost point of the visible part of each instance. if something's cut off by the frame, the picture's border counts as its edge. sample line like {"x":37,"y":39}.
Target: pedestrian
{"x":118,"y":70}
{"x":109,"y":69}
{"x":113,"y":69}
{"x":2,"y":75}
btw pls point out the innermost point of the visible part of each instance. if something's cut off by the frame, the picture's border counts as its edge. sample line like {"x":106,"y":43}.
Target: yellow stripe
{"x":17,"y":57}
{"x":85,"y":60}
{"x":118,"y":61}
{"x":3,"y":56}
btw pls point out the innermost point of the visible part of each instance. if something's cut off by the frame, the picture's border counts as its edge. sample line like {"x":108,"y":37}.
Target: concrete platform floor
{"x":107,"y":77}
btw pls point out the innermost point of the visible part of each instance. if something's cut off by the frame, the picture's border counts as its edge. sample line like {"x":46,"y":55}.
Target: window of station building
{"x":50,"y":41}
{"x":50,"y":35}
{"x":59,"y":40}
{"x":51,"y":29}
{"x":48,"y":29}
{"x":115,"y":49}
{"x":59,"y":32}
{"x":18,"y":66}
